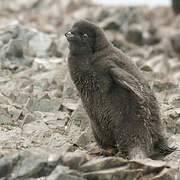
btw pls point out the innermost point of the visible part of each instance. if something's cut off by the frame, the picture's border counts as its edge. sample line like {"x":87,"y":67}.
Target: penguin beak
{"x":69,"y":35}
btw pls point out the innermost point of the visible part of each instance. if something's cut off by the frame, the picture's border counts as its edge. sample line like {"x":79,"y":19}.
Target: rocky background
{"x":44,"y":131}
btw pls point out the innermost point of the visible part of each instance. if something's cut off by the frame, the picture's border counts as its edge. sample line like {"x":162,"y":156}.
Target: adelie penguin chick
{"x":123,"y":110}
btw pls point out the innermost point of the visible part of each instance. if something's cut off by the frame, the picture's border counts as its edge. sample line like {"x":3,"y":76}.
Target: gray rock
{"x":64,"y":173}
{"x":14,"y":113}
{"x":175,"y":141}
{"x":15,"y":49}
{"x":151,"y":36}
{"x":60,"y":46}
{"x":110,"y":24}
{"x":142,"y":35}
{"x":164,"y":47}
{"x":103,"y":163}
{"x":80,"y":118}
{"x":16,"y":31}
{"x":159,"y":64}
{"x":12,"y":53}
{"x":39,"y":105}
{"x":122,"y":169}
{"x":84,"y":141}
{"x":120,"y":42}
{"x":69,"y":90}
{"x":44,"y":105}
{"x":1,"y":44}
{"x":159,"y":86}
{"x":74,"y":160}
{"x":11,"y":137}
{"x":175,"y":99}
{"x":7,"y":164}
{"x":135,"y":34}
{"x":173,"y":158}
{"x":8,"y":33}
{"x":114,"y":173}
{"x":101,"y":13}
{"x":167,"y":174}
{"x":31,"y":164}
{"x":41,"y":44}
{"x":5,"y":117}
{"x":4,"y":99}
{"x":28,"y":118}
{"x":28,"y":164}
{"x":19,"y":5}
{"x":13,"y":56}
{"x":70,"y":104}
{"x":147,"y":68}
{"x":26,"y":42}
{"x":74,"y":5}
{"x":20,"y":99}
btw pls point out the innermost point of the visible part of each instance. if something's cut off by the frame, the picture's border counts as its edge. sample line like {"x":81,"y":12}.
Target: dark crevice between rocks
{"x":7,"y":166}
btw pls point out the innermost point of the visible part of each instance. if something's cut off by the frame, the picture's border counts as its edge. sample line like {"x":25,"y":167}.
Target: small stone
{"x":15,"y":48}
{"x":29,"y":118}
{"x":83,"y":140}
{"x":70,"y":105}
{"x":3,"y":99}
{"x":175,"y":100}
{"x":74,"y":159}
{"x":5,"y":117}
{"x":146,"y":68}
{"x":44,"y":105}
{"x":15,"y":113}
{"x":134,"y":34}
{"x":80,"y":118}
{"x":110,"y":24}
{"x":41,"y":44}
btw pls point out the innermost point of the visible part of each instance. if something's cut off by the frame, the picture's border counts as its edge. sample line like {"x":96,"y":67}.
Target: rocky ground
{"x":44,"y":131}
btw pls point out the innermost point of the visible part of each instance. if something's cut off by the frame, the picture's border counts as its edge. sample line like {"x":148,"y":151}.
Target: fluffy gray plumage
{"x":123,"y":110}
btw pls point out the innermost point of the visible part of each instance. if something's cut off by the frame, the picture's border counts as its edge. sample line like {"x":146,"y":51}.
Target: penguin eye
{"x":85,"y":35}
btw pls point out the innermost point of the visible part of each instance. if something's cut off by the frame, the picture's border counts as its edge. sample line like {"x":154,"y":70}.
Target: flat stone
{"x":5,"y":117}
{"x":64,"y":173}
{"x":102,"y":163}
{"x":74,"y":160}
{"x":30,"y":164}
{"x":3,"y":99}
{"x":44,"y":105}
{"x":83,"y":140}
{"x":114,"y":173}
{"x":15,"y":113}
{"x":135,"y":34}
{"x":81,"y":118}
{"x":29,"y":118}
{"x":169,"y":174}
